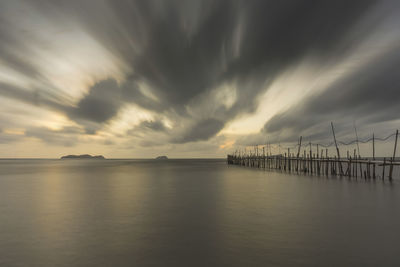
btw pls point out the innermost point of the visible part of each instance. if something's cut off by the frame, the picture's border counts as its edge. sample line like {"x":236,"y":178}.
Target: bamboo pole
{"x":316,"y":163}
{"x":337,"y":149}
{"x":355,"y":164}
{"x":311,"y":159}
{"x":298,"y":153}
{"x":355,"y":130}
{"x":373,"y":154}
{"x":327,"y":163}
{"x":394,"y":156}
{"x":349,"y":168}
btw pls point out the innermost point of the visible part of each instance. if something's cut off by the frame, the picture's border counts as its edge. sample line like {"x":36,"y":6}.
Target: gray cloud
{"x":368,"y":96}
{"x":149,"y":132}
{"x":13,"y":46}
{"x":105,"y":99}
{"x":201,"y":131}
{"x":247,"y":42}
{"x":100,"y":104}
{"x":65,"y":137}
{"x":185,"y":49}
{"x":8,"y":138}
{"x":35,"y":96}
{"x":153,"y":125}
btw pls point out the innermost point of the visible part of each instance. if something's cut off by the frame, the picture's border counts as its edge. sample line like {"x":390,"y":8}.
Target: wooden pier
{"x":320,"y":163}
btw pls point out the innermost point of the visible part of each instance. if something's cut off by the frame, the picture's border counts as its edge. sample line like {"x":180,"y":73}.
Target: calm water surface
{"x":191,"y":213}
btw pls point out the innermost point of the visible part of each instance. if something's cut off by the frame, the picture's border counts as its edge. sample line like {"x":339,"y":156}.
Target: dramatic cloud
{"x":370,"y":95}
{"x":152,"y":125}
{"x":166,"y":73}
{"x":202,"y":131}
{"x":64,"y":137}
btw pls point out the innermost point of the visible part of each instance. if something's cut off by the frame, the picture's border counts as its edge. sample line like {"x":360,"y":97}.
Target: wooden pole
{"x":355,"y":165}
{"x":318,"y":160}
{"x":337,"y":149}
{"x":298,"y":153}
{"x":326,"y":166}
{"x":394,"y":155}
{"x":373,"y":146}
{"x":349,"y":168}
{"x":383,"y":168}
{"x":264,"y":157}
{"x":311,"y":159}
{"x":373,"y":154}
{"x":358,"y":147}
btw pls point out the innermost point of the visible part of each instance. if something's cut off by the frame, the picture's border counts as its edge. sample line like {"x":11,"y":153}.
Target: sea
{"x":191,"y":212}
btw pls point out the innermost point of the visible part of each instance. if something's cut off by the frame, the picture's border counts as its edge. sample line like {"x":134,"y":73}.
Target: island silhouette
{"x":84,"y":156}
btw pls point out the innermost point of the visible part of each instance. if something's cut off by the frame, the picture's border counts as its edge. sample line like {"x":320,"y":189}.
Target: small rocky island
{"x":162,"y":158}
{"x":84,"y":156}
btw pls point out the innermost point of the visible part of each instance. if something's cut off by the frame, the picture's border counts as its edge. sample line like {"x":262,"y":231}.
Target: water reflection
{"x":190,"y":213}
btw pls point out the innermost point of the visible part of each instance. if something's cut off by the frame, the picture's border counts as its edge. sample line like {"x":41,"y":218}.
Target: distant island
{"x":84,"y":156}
{"x":162,"y":158}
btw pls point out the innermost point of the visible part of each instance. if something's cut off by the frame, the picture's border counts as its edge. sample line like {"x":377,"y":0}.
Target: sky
{"x":139,"y":79}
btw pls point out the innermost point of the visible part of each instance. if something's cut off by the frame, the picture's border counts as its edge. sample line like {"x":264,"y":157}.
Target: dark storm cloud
{"x":370,"y":95}
{"x":100,"y":104}
{"x":250,"y":42}
{"x":183,"y":49}
{"x":105,"y":99}
{"x":202,"y":130}
{"x":246,"y":41}
{"x":149,"y":132}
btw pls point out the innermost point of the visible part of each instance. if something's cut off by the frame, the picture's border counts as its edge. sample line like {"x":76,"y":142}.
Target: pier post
{"x":383,"y":168}
{"x":373,"y":154}
{"x":394,"y":156}
{"x":337,"y":149}
{"x":311,"y":167}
